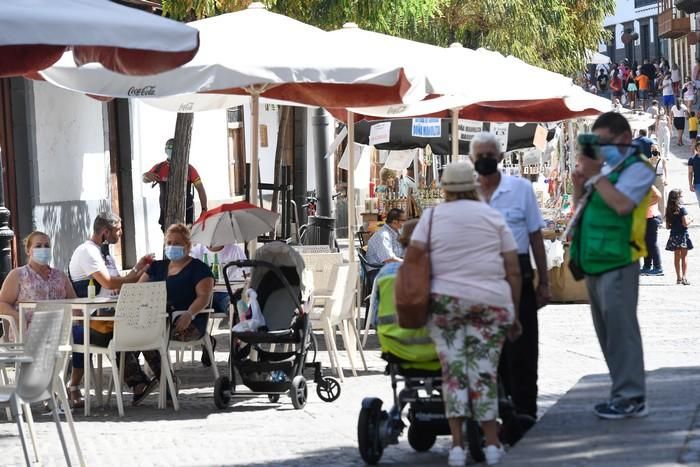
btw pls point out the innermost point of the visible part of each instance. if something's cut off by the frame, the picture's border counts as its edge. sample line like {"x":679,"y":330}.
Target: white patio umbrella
{"x":596,"y":58}
{"x":233,"y":223}
{"x":257,"y":53}
{"x":35,"y":33}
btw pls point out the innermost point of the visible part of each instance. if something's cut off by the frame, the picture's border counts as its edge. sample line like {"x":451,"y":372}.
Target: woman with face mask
{"x":189,"y":284}
{"x":36,"y":280}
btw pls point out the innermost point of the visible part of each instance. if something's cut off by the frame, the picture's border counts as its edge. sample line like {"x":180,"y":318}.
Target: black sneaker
{"x":622,"y":409}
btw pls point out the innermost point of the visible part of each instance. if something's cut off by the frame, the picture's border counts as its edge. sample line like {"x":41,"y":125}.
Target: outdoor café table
{"x":87,"y":306}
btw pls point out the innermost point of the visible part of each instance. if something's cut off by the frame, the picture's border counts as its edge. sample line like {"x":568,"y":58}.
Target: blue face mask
{"x":174,"y":252}
{"x":612,"y":155}
{"x":41,"y":255}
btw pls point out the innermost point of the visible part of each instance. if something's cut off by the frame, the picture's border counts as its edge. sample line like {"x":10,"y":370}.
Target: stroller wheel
{"x":274,"y":398}
{"x":222,"y":392}
{"x":475,"y":439}
{"x":420,"y":438}
{"x":299,"y":392}
{"x":368,"y":431}
{"x":328,"y":389}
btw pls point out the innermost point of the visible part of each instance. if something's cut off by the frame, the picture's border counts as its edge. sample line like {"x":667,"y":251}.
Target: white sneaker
{"x":494,"y":454}
{"x":457,"y":457}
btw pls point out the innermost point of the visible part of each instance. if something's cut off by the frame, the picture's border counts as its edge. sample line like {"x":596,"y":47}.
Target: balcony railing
{"x":671,"y":24}
{"x":642,"y":3}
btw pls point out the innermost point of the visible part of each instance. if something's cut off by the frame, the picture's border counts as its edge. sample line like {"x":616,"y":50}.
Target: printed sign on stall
{"x":426,"y":127}
{"x":379,"y":133}
{"x":466,"y":129}
{"x":500,"y":130}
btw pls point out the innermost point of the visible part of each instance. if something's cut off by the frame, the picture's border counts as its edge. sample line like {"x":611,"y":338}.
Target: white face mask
{"x":169,"y":153}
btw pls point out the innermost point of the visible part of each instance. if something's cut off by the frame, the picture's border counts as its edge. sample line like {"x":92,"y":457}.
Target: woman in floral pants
{"x":474,"y":288}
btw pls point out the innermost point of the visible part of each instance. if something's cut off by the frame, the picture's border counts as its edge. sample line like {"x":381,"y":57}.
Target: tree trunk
{"x":283,"y":130}
{"x":179,"y":164}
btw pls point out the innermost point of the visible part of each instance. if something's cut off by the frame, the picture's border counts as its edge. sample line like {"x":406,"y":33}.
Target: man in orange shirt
{"x":643,"y":85}
{"x":159,"y":174}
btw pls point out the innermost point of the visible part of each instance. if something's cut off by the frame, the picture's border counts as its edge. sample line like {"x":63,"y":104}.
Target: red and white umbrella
{"x":233,"y":223}
{"x":34,"y":34}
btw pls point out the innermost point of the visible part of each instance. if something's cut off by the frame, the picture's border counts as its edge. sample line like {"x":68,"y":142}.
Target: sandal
{"x":75,"y":398}
{"x":685,"y":281}
{"x":206,"y":361}
{"x":679,"y":281}
{"x":147,"y":389}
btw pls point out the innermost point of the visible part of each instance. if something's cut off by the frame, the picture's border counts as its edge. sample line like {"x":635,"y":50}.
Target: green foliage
{"x":553,"y":34}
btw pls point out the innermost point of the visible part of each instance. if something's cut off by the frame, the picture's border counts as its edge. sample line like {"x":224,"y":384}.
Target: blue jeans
{"x":697,"y":192}
{"x":221,"y":302}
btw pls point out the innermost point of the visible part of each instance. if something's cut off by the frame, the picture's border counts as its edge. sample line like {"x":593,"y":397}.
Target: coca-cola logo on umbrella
{"x":141,"y":92}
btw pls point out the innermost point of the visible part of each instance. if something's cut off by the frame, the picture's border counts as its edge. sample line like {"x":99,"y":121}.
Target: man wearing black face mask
{"x":515,"y":199}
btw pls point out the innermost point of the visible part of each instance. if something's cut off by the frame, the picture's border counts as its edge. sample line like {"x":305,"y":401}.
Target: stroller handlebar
{"x":254,"y":263}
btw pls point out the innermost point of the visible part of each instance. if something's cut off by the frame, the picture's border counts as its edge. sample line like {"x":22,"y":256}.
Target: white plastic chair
{"x":337,"y":311}
{"x":139,"y":325}
{"x":312,"y":249}
{"x":319,"y":265}
{"x":205,"y":340}
{"x":10,"y":325}
{"x":36,"y":376}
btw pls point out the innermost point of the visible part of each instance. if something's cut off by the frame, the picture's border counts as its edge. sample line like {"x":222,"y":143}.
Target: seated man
{"x":225,"y":254}
{"x":384,"y":246}
{"x":93,"y":261}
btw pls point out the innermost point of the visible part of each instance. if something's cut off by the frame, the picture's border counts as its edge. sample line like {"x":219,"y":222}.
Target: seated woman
{"x":36,"y":281}
{"x":189,"y":284}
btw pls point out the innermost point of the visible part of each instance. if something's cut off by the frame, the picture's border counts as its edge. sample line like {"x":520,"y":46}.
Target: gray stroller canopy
{"x":280,"y":254}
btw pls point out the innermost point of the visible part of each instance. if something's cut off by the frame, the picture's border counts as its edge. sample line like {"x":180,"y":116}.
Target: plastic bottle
{"x":91,"y":289}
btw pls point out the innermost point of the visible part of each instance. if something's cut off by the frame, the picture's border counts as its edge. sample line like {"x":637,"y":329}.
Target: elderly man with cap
{"x":515,"y":199}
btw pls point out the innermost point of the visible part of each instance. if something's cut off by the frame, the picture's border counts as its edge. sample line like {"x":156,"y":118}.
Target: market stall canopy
{"x":596,"y":58}
{"x":257,"y":52}
{"x":574,"y":103}
{"x":403,"y":134}
{"x":474,"y":75}
{"x":34,"y":34}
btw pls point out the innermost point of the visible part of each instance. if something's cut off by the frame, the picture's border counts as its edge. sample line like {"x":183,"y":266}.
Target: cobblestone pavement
{"x":256,"y":432}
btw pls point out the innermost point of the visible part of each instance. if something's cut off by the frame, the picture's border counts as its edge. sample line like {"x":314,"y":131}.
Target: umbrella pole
{"x":455,"y":134}
{"x":351,"y":186}
{"x":254,"y":162}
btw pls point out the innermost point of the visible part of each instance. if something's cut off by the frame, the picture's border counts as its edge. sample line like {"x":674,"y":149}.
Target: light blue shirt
{"x":634,"y":182}
{"x":515,"y":200}
{"x":384,"y":245}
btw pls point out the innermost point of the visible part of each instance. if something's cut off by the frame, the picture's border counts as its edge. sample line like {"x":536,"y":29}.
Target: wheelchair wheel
{"x":328,"y":389}
{"x":299,"y":392}
{"x":420,"y":438}
{"x":368,"y":431}
{"x":274,"y":398}
{"x":222,"y":392}
{"x":475,"y":440}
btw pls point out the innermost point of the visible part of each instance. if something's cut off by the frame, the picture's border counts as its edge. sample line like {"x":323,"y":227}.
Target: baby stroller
{"x":272,"y":360}
{"x":412,"y":360}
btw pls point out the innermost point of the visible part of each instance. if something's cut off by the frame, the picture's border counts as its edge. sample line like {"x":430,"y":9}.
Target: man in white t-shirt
{"x":92,"y":260}
{"x":515,"y":199}
{"x":667,"y":92}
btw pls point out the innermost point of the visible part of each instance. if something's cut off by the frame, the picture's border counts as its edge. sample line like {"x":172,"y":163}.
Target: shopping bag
{"x":412,"y":286}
